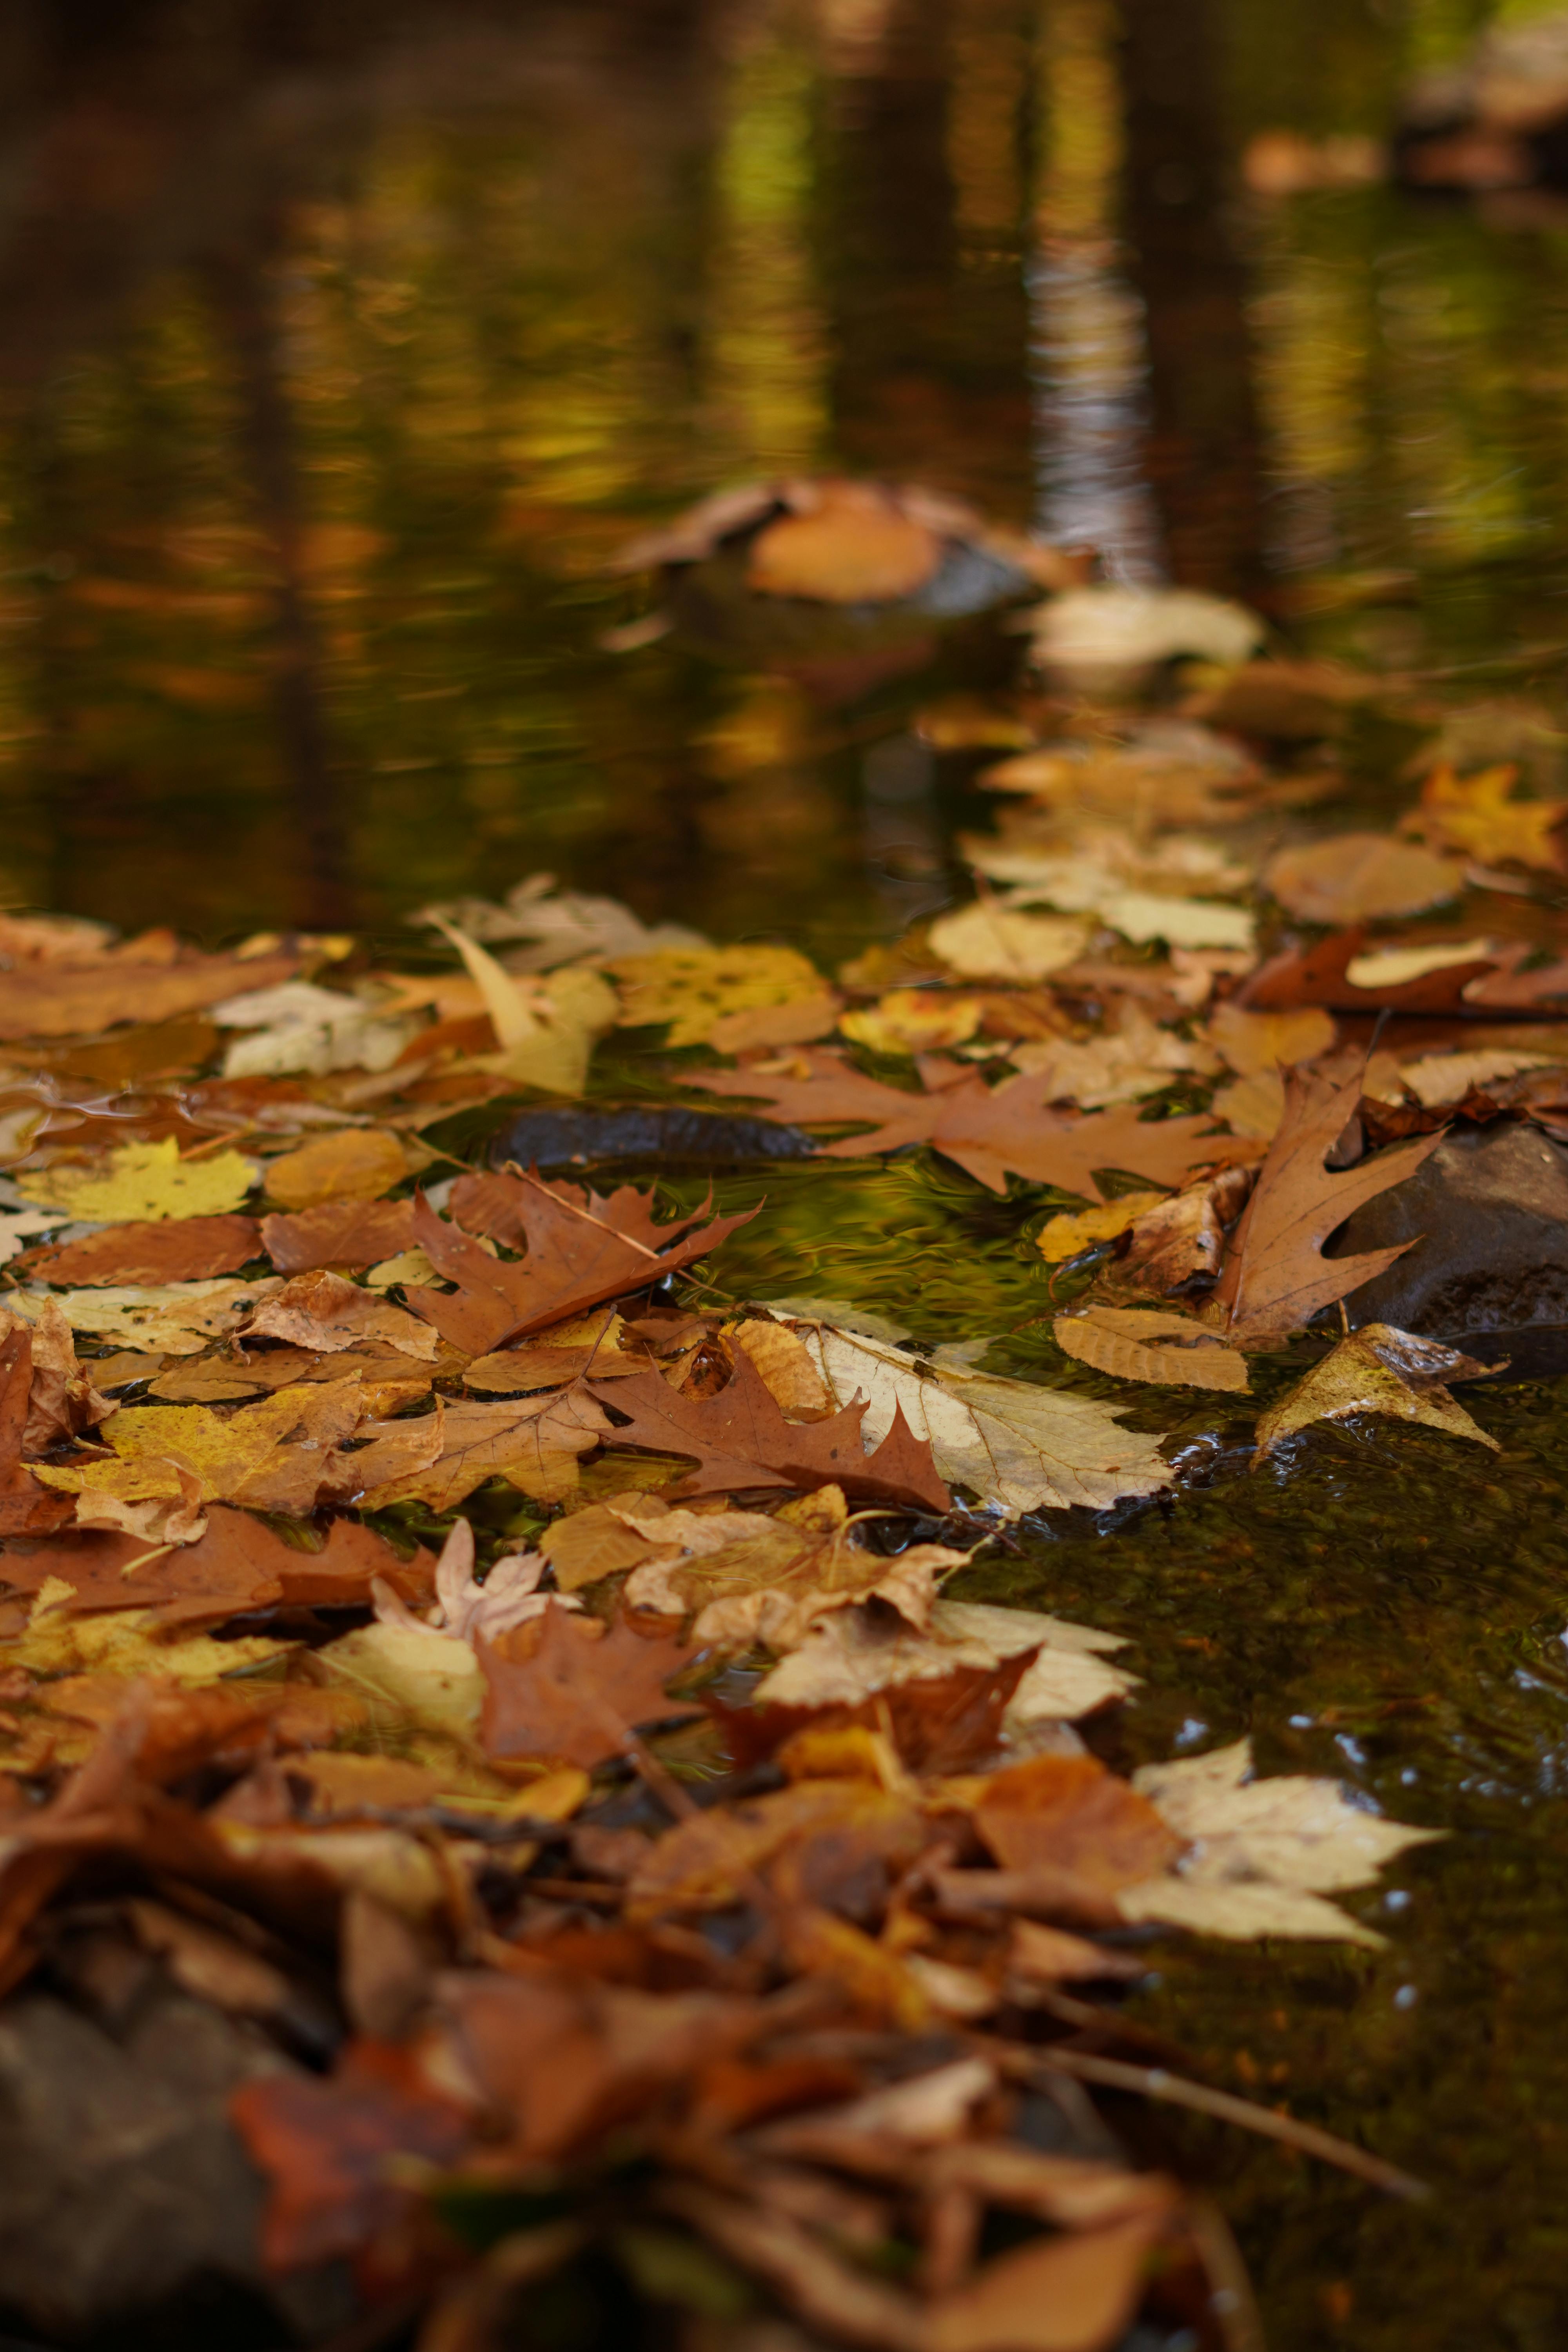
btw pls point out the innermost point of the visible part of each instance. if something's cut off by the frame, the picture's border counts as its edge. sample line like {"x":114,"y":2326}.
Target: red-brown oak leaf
{"x":582,"y":1249}
{"x":991,"y":1132}
{"x":566,"y":1687}
{"x":740,"y":1440}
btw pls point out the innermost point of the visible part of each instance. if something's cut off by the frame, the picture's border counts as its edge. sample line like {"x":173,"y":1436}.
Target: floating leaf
{"x":1377,"y":1370}
{"x":1139,"y":1343}
{"x":144,"y":1181}
{"x":1351,"y":877}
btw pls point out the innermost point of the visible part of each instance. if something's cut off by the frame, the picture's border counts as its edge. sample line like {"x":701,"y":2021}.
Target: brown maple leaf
{"x":183,"y":1249}
{"x":1274,"y":1277}
{"x":740,"y":1440}
{"x":532,"y":1442}
{"x":67,"y":997}
{"x":339,"y":1232}
{"x":582,"y":1249}
{"x":990,"y":1132}
{"x":562,"y":1686}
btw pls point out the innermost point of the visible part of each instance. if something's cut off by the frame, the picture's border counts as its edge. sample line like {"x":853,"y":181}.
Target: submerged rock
{"x":590,"y":1136}
{"x":1488,"y":1271}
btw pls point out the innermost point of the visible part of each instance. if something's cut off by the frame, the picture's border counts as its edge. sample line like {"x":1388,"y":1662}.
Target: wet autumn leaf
{"x":740,"y":1440}
{"x":533,"y":1443}
{"x":1341,"y":974}
{"x":1377,"y":1370}
{"x":693,"y":989}
{"x":1069,"y":1812}
{"x":570,"y":1689}
{"x":990,"y":941}
{"x":857,"y":1654}
{"x":183,"y":1249}
{"x":1141,"y":1344}
{"x":1351,"y":877}
{"x":353,"y":1234}
{"x":357,"y":1164}
{"x":320,"y":1310}
{"x":25,"y":1507}
{"x":1065,"y":1235}
{"x":582,"y":1249}
{"x":277,"y":1454}
{"x":854,"y":546}
{"x":1276,"y":1277}
{"x":62,"y":1401}
{"x":991,"y":1132}
{"x":64,"y":997}
{"x":175,"y":1318}
{"x":1479,"y":816}
{"x":144,"y":1181}
{"x":1016,"y":1445}
{"x":704,"y":1863}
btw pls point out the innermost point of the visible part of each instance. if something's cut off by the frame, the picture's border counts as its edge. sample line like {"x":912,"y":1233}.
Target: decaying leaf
{"x":278,"y":1454}
{"x":1017,"y":1447}
{"x":1276,"y":1277}
{"x":1141,"y":1344}
{"x":1351,"y":877}
{"x":67,"y":996}
{"x":1183,"y":1238}
{"x":567,"y":1687}
{"x":62,"y":1402}
{"x":145,"y":1182}
{"x":1264,"y":1854}
{"x":534,"y":1442}
{"x":1377,"y":1370}
{"x":694,"y":988}
{"x":1131,"y":1059}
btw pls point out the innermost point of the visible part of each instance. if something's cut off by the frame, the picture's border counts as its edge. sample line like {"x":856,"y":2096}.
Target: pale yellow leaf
{"x":986,"y":941}
{"x":1377,"y":1370}
{"x":145,"y":1184}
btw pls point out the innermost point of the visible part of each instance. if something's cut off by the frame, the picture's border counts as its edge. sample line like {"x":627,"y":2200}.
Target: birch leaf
{"x":1017,"y":1446}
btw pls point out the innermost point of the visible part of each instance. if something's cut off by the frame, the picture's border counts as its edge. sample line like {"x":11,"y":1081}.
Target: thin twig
{"x":527,"y":1176}
{"x":1155,"y":2083}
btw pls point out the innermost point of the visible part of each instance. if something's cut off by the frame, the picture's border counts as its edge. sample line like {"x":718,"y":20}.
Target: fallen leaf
{"x":1263,"y":1852}
{"x":1141,"y":1344}
{"x":1184,"y":1236}
{"x":1253,"y":1043}
{"x":913,"y":1021}
{"x":62,"y":997}
{"x":357,"y":1164}
{"x":278,"y":1454}
{"x":856,"y":547}
{"x":991,"y":941}
{"x":1337,"y":973}
{"x":1477,"y":814}
{"x":143,"y":1182}
{"x":129,"y":1643}
{"x":1437,"y":1079}
{"x":1377,"y":1370}
{"x":1064,"y":1236}
{"x":1073,"y":2293}
{"x":1252,"y":1107}
{"x":320,"y":1310}
{"x":301,"y":1027}
{"x":569,"y":1688}
{"x":353,"y":1234}
{"x":1274,"y":1277}
{"x":405,"y":1675}
{"x":1018,"y":1447}
{"x":25,"y":1507}
{"x":1051,"y":1956}
{"x":188,"y":1249}
{"x":1132,"y":1058}
{"x":176,"y":1318}
{"x":1287,"y":701}
{"x":533,"y":1443}
{"x":703,"y":1864}
{"x":1351,"y":877}
{"x":694,"y":988}
{"x":1385,"y":968}
{"x":989,"y":1131}
{"x":856,"y":1654}
{"x":62,"y":1401}
{"x":775,"y":1024}
{"x":740,"y":1440}
{"x":785,"y":1362}
{"x":582,"y":1250}
{"x":1166,"y":774}
{"x":1068,"y":1812}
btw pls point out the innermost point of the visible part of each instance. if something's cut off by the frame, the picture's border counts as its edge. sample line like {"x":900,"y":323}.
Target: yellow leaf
{"x":692,"y":988}
{"x":1064,"y":1237}
{"x":125,"y":1642}
{"x":436,"y":1681}
{"x":273,"y":1455}
{"x":914,"y":1020}
{"x":144,"y":1183}
{"x":1475,"y":814}
{"x":1139,"y":1343}
{"x":358,"y":1163}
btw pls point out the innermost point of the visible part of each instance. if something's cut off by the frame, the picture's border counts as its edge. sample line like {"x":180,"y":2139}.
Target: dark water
{"x":338,"y":348}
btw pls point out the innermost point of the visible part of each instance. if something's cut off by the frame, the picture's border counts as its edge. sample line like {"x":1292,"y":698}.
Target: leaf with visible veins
{"x":339,"y":1232}
{"x":1274,"y":1277}
{"x":564,"y":1688}
{"x":582,"y":1249}
{"x":991,"y":1132}
{"x":740,"y":1440}
{"x":188,"y":1249}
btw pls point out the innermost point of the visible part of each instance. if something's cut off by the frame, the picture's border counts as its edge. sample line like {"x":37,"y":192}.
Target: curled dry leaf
{"x":321,"y":1311}
{"x":1183,"y":1237}
{"x":1264,"y":1852}
{"x":1378,"y":1369}
{"x":1132,"y":1058}
{"x":858,"y":1654}
{"x":1017,"y":1446}
{"x":1139,"y":1343}
{"x":1352,"y":876}
{"x":62,"y":1401}
{"x":1276,"y":1277}
{"x":144,"y":1183}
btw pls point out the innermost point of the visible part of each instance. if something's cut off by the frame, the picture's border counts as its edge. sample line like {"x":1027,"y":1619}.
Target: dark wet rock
{"x":588,"y":1137}
{"x":124,"y":2187}
{"x":1489,"y":1270}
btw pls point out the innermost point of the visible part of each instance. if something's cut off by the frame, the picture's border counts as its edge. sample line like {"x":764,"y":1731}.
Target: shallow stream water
{"x":337,"y":354}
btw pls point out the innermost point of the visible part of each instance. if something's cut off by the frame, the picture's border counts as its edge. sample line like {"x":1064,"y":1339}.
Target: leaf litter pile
{"x":507,"y":1685}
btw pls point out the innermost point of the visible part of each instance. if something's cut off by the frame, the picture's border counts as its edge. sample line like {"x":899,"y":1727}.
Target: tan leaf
{"x":321,"y":1311}
{"x":988,"y":941}
{"x":1183,"y":1236}
{"x":788,"y":1371}
{"x":177,"y":1319}
{"x":62,"y":1402}
{"x":1252,"y":1105}
{"x":1139,"y":1343}
{"x":1377,"y":1370}
{"x":855,"y":1653}
{"x":1068,"y":1812}
{"x":1072,"y":2294}
{"x":1352,"y":876}
{"x":357,"y":1164}
{"x":1255,"y":1041}
{"x":64,"y":996}
{"x":533,"y":1443}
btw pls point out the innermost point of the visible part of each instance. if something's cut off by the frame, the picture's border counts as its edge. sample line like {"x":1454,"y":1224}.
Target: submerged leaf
{"x":1377,"y":1370}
